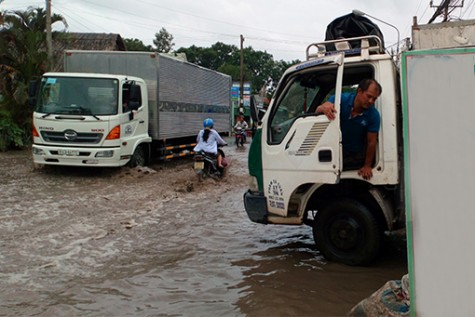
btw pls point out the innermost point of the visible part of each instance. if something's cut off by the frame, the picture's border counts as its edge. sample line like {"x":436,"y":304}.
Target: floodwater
{"x":155,"y":242}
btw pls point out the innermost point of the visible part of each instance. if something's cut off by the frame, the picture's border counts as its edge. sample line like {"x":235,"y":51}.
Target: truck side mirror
{"x":256,"y":112}
{"x":253,"y":109}
{"x":32,"y":92}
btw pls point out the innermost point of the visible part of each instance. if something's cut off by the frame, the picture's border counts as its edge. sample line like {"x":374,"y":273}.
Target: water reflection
{"x":293,"y":279}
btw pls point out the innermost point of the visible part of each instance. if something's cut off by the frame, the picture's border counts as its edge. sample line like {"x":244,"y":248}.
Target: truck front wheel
{"x":138,"y":158}
{"x":345,"y":231}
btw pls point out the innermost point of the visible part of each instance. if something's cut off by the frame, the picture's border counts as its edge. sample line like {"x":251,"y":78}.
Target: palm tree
{"x":23,"y":56}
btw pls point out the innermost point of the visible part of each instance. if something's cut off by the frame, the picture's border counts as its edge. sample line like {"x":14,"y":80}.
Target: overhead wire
{"x":198,"y":35}
{"x":180,"y":27}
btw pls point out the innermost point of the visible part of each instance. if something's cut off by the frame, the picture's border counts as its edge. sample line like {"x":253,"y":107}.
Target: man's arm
{"x":328,"y":109}
{"x":367,"y":170}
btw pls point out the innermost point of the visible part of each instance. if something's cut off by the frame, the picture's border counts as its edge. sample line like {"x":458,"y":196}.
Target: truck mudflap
{"x":256,"y":207}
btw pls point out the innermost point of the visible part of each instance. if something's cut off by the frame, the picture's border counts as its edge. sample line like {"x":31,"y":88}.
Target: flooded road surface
{"x":155,"y":242}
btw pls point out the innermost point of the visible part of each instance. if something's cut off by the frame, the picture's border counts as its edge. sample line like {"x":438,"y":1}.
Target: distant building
{"x":83,"y":41}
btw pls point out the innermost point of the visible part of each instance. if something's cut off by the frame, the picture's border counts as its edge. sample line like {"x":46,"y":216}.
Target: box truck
{"x":112,"y":108}
{"x":295,"y":159}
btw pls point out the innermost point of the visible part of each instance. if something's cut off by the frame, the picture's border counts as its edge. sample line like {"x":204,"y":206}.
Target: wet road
{"x":154,"y":242}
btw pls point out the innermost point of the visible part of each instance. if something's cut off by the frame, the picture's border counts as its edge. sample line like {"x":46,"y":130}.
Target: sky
{"x":283,"y":29}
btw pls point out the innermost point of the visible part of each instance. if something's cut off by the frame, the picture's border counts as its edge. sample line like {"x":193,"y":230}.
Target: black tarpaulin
{"x":351,"y":25}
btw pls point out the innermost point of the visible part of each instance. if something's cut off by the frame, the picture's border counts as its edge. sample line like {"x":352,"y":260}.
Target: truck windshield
{"x":78,"y":96}
{"x":298,"y":98}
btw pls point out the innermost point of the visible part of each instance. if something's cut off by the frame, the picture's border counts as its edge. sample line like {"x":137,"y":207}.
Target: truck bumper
{"x":256,"y":207}
{"x":73,"y":156}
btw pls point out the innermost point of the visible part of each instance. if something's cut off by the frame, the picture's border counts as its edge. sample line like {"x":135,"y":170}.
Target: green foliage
{"x":232,"y":70}
{"x":11,"y":135}
{"x":137,"y":45}
{"x":163,"y":41}
{"x":22,"y":57}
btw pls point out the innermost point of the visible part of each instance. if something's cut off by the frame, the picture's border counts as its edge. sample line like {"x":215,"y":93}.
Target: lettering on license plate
{"x":68,"y":152}
{"x":199,"y":165}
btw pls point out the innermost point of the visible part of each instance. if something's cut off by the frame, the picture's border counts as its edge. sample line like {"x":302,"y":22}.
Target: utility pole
{"x":49,"y":40}
{"x":241,"y":81}
{"x":443,"y":9}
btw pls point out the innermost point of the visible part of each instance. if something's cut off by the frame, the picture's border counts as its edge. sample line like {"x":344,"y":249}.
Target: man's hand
{"x":366,"y":172}
{"x":327,"y":109}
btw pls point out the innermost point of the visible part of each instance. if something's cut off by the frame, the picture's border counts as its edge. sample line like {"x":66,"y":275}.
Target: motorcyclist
{"x":208,"y":140}
{"x":240,"y":127}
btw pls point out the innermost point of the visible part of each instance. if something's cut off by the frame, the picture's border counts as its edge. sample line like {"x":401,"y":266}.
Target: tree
{"x":163,"y":41}
{"x":23,"y":56}
{"x":137,"y":45}
{"x":276,"y":72}
{"x":234,"y":71}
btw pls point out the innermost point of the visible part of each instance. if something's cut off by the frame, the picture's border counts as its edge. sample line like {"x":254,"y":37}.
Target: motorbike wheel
{"x":201,"y":176}
{"x":205,"y":172}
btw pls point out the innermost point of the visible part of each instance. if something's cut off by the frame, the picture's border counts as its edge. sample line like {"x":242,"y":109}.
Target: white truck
{"x":115,"y":108}
{"x":295,"y":159}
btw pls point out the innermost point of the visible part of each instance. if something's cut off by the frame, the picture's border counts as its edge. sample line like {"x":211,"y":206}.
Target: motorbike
{"x":206,"y":165}
{"x":240,"y":135}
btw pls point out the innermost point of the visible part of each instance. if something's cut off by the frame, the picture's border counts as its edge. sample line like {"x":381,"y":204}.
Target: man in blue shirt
{"x":359,"y":124}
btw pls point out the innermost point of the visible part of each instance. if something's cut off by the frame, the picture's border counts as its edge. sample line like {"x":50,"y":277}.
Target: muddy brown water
{"x":155,"y":242}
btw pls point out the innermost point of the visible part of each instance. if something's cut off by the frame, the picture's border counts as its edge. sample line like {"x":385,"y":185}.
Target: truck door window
{"x":299,"y":95}
{"x":131,"y":97}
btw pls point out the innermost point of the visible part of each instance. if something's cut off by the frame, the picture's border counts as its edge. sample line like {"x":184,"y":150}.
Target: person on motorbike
{"x":208,"y":140}
{"x":241,"y":126}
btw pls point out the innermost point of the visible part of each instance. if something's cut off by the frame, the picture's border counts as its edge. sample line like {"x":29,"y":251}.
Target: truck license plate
{"x":68,"y":152}
{"x":199,"y":165}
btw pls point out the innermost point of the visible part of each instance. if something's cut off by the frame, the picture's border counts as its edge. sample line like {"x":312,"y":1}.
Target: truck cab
{"x":90,"y":120}
{"x":295,"y":159}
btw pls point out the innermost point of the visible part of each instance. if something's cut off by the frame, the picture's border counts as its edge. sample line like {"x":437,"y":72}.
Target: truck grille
{"x":81,"y":138}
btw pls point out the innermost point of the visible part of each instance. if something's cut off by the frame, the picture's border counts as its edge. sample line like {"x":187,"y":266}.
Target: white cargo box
{"x":443,"y":35}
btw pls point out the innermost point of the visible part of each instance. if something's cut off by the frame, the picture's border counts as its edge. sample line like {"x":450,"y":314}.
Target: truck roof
{"x":91,"y":75}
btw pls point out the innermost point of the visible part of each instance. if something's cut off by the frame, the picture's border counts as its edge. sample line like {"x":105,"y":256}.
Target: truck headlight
{"x":108,"y":153}
{"x":37,"y":151}
{"x":253,"y":186}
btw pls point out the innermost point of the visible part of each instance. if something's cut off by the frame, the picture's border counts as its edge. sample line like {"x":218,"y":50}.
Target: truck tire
{"x":346,"y":231}
{"x":138,"y":158}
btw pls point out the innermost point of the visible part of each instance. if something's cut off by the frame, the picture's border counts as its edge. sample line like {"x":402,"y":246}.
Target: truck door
{"x":134,"y":121}
{"x":302,"y":147}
